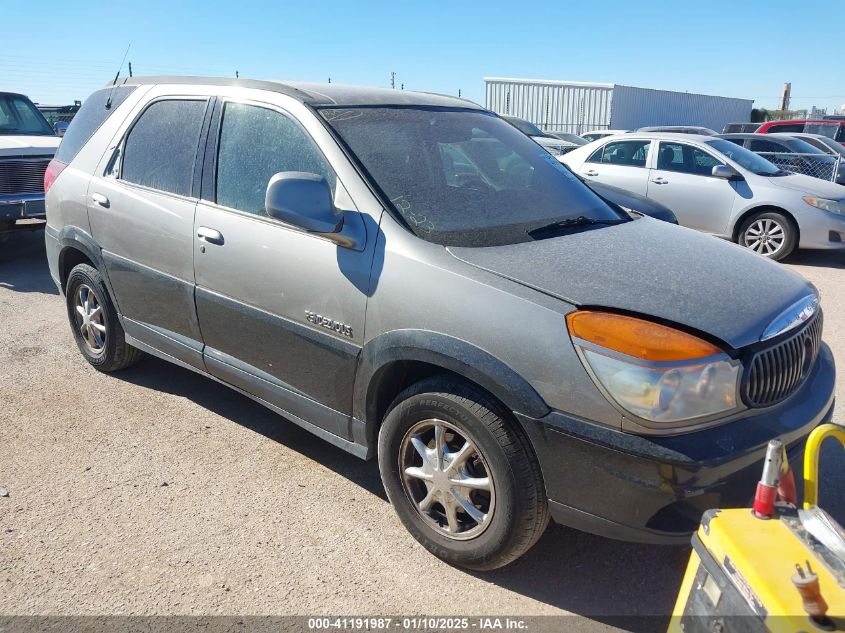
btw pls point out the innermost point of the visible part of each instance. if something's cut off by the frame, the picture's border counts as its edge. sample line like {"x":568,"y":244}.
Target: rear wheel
{"x":769,"y":234}
{"x":94,"y":321}
{"x":461,"y":476}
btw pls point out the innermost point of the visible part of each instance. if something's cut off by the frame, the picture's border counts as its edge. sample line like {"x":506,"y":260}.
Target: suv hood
{"x":809,"y":185}
{"x":655,"y":269}
{"x":28,"y":145}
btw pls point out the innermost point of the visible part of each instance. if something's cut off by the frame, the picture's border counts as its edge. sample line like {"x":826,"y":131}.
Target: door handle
{"x":100,"y":200}
{"x":591,"y":172}
{"x":212,"y":236}
{"x":660,"y":181}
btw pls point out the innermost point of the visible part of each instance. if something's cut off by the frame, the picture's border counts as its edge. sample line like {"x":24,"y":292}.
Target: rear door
{"x":281,"y":311}
{"x":141,"y":209}
{"x":621,"y":164}
{"x":683,"y":182}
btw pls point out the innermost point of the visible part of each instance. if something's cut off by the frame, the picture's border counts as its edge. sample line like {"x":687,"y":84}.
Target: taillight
{"x":53,"y":170}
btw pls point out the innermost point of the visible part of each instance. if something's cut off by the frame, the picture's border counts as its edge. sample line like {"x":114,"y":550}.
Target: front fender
{"x":452,"y":354}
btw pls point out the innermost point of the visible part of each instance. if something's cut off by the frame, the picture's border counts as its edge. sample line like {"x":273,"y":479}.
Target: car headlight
{"x":554,"y":150}
{"x":652,"y":371}
{"x":834,"y":206}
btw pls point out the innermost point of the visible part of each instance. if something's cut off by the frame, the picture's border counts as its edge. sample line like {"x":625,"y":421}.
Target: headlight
{"x":652,"y":371}
{"x":554,"y":150}
{"x":834,"y":206}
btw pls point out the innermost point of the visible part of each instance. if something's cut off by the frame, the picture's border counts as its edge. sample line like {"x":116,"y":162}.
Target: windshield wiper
{"x":572,"y":223}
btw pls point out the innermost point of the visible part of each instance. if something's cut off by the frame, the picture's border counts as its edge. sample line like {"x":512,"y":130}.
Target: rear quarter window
{"x":93,"y":113}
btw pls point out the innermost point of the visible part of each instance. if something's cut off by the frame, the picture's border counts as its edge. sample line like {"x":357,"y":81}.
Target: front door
{"x":281,"y":311}
{"x":683,"y":181}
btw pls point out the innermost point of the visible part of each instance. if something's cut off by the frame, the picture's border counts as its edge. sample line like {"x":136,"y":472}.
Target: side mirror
{"x":60,"y":127}
{"x":303,"y":200}
{"x":725,"y":171}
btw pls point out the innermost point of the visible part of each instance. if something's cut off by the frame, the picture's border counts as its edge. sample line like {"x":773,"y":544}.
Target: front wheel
{"x":461,"y":476}
{"x":768,"y":234}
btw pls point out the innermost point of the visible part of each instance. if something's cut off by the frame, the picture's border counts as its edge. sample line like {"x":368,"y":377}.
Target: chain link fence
{"x":815,"y":165}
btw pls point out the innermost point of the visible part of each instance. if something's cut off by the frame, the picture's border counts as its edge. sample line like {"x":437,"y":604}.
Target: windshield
{"x":825,"y":129}
{"x":746,"y":158}
{"x":803,"y":147}
{"x":526,"y":127}
{"x":19,"y":116}
{"x":463,"y":177}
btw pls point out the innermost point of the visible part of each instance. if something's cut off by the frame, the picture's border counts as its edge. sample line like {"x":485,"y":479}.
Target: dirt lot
{"x":156,"y":491}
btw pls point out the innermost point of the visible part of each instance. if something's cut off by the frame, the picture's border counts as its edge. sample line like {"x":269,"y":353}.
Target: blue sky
{"x":63,"y":50}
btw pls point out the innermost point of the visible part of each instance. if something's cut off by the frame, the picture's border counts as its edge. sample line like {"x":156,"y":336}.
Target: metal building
{"x":573,"y":106}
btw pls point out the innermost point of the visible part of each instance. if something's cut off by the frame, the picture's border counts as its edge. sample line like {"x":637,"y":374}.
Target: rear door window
{"x":161,"y":149}
{"x":255,"y":144}
{"x":766,"y":146}
{"x":625,"y":153}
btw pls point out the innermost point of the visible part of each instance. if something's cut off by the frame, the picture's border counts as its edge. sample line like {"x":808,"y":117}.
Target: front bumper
{"x":654,"y":489}
{"x":821,"y":230}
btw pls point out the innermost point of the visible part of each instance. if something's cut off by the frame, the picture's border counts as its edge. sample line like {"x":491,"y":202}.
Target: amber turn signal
{"x":637,"y":337}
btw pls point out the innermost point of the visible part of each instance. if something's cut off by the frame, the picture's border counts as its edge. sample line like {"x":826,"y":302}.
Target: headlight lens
{"x":834,"y":206}
{"x":652,"y":371}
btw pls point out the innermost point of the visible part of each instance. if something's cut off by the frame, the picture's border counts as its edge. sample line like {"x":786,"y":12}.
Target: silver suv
{"x":411,"y":278}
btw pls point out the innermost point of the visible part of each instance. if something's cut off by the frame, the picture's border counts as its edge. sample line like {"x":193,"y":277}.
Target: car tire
{"x":94,"y":323}
{"x":769,"y":234}
{"x":451,"y":514}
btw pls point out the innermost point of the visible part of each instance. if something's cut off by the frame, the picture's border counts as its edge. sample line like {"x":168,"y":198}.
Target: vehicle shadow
{"x":23,"y":264}
{"x":626,"y":585}
{"x":817,"y":259}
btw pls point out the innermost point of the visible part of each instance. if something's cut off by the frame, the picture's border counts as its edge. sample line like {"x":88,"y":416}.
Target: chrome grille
{"x":22,"y":175}
{"x":776,"y":372}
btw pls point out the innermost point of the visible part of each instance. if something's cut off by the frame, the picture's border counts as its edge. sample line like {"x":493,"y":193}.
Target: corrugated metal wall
{"x":639,"y":107}
{"x":553,"y":105}
{"x":568,"y":106}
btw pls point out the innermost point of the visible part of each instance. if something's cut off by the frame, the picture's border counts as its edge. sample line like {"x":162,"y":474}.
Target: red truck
{"x":833,"y":128}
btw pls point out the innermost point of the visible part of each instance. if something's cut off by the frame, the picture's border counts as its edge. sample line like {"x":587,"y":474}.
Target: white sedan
{"x":718,"y":187}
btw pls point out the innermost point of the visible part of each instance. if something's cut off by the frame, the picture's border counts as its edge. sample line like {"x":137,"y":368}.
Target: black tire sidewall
{"x":90,"y":276}
{"x":498,"y":536}
{"x":788,"y":228}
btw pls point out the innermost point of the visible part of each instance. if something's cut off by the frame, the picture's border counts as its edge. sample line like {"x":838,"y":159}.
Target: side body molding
{"x":455,"y":355}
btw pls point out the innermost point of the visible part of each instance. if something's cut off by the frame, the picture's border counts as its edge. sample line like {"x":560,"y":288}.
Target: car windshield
{"x":803,"y":147}
{"x":572,"y":138}
{"x":745,"y":158}
{"x":526,"y":127}
{"x":19,"y":116}
{"x":825,"y":129}
{"x":461,"y":177}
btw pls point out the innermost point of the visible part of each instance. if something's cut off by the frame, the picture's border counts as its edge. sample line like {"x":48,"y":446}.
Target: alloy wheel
{"x":89,"y":319}
{"x":447,"y":479}
{"x":765,"y":236}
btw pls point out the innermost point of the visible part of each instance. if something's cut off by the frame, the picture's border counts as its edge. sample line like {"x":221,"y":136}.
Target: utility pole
{"x":130,"y":69}
{"x":392,"y":79}
{"x":785,"y":97}
{"x":459,"y":93}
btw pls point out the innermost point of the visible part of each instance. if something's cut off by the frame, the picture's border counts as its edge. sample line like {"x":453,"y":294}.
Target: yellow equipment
{"x":783,"y":573}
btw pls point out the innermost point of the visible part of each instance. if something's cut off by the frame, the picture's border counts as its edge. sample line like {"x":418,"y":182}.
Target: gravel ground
{"x":156,"y":491}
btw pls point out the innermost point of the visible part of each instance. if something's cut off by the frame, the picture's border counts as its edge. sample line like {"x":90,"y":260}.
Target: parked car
{"x":555,"y":146}
{"x":572,"y":138}
{"x":822,"y":142}
{"x":716,"y":186}
{"x":828,"y":127}
{"x":680,"y":129}
{"x":27,"y":143}
{"x":508,"y":345}
{"x":597,"y":134}
{"x":731,"y":128}
{"x":793,"y":154}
